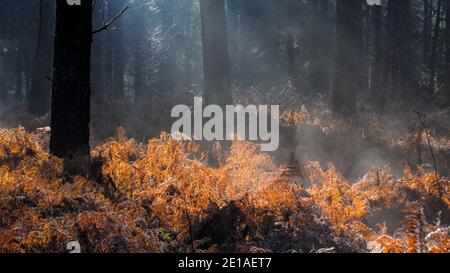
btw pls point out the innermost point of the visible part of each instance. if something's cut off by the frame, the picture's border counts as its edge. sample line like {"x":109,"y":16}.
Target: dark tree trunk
{"x":242,"y":25}
{"x":188,"y":51}
{"x":19,"y":53}
{"x":166,"y":70}
{"x":388,"y":48}
{"x":27,"y":78}
{"x":39,"y":98}
{"x":291,"y":53}
{"x":447,"y":55}
{"x":365,"y":57}
{"x":119,"y":54}
{"x":326,"y":47}
{"x":5,"y":76}
{"x":3,"y":89}
{"x":347,"y":70}
{"x":70,"y":114}
{"x":139,"y":64}
{"x":434,"y":48}
{"x":18,"y":90}
{"x":234,"y":15}
{"x":108,"y":53}
{"x":316,"y":44}
{"x":426,"y":31}
{"x":97,"y":58}
{"x":119,"y":66}
{"x":139,"y":76}
{"x":402,"y":55}
{"x":113,"y":58}
{"x":377,"y":92}
{"x":215,"y":53}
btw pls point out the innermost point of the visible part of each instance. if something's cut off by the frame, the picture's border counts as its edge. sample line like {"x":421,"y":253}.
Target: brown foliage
{"x":162,"y":197}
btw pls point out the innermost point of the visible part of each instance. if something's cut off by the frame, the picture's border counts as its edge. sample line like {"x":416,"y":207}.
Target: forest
{"x":88,"y":162}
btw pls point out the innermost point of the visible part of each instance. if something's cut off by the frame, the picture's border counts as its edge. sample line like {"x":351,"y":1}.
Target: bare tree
{"x":347,"y":71}
{"x":215,"y":53}
{"x":70,"y":113}
{"x":39,"y":100}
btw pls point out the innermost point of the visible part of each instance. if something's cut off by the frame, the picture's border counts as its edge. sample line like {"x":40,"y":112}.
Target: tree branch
{"x":108,"y":24}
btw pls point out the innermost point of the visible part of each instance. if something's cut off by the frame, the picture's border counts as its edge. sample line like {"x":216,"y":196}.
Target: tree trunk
{"x":4,"y":76}
{"x":119,"y":53}
{"x":39,"y":99}
{"x":98,"y":46}
{"x":347,"y":70}
{"x":426,"y":30}
{"x":19,"y":52}
{"x":446,"y":90}
{"x":27,"y":77}
{"x":365,"y":57}
{"x":166,"y":69}
{"x":18,"y":90}
{"x":402,"y":71}
{"x":326,"y":47}
{"x":70,"y":114}
{"x":188,"y":51}
{"x":377,"y":92}
{"x":316,"y":45}
{"x":434,"y":48}
{"x":139,"y":59}
{"x":3,"y":89}
{"x":114,"y":53}
{"x":119,"y":66}
{"x":215,"y":53}
{"x":108,"y":54}
{"x":292,"y":65}
{"x":234,"y":16}
{"x":388,"y":60}
{"x":139,"y":77}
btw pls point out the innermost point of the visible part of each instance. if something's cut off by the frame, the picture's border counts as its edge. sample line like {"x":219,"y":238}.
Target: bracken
{"x":163,"y":197}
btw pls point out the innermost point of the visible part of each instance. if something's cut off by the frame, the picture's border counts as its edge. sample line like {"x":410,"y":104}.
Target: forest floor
{"x":162,"y":196}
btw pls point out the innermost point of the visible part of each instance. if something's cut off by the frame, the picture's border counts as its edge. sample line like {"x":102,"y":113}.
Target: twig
{"x":191,"y":235}
{"x":417,"y":136}
{"x":106,"y":26}
{"x":205,"y":172}
{"x":129,"y":164}
{"x":422,"y":121}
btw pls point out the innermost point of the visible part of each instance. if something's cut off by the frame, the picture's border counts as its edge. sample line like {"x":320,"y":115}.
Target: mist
{"x":280,"y":52}
{"x":363,"y":92}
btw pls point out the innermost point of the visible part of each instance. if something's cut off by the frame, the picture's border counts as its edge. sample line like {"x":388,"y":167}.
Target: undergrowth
{"x":162,"y":197}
